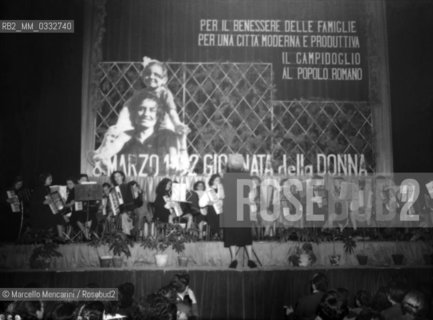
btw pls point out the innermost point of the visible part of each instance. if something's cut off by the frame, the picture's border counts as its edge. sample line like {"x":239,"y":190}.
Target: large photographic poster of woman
{"x":294,"y":86}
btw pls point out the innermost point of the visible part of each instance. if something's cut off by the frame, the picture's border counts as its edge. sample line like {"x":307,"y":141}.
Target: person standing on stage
{"x":41,"y":216}
{"x":237,"y":232}
{"x":15,"y":221}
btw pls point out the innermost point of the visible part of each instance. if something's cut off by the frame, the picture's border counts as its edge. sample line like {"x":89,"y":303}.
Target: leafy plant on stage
{"x":349,"y":243}
{"x":174,"y":237}
{"x":43,"y":253}
{"x":303,"y":255}
{"x":117,"y":242}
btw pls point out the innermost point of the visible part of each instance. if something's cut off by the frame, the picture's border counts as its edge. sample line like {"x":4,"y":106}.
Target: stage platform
{"x":224,"y":293}
{"x":213,"y":254}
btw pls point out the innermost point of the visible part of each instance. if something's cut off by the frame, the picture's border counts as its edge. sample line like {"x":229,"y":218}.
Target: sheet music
{"x":178,"y":192}
{"x":62,"y":190}
{"x":15,"y":204}
{"x":78,"y":206}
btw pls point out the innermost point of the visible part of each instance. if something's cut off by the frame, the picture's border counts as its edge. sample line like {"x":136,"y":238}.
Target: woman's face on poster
{"x":146,"y":114}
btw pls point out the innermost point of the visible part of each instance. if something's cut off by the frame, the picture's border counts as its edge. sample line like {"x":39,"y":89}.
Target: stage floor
{"x":214,"y":255}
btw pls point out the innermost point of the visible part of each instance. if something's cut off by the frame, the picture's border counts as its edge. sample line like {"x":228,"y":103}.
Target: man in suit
{"x":306,"y":307}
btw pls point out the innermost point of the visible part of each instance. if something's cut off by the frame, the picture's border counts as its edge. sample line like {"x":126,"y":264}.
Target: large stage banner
{"x":296,"y":87}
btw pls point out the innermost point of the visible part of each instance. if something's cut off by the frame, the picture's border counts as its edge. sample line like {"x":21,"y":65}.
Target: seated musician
{"x":212,"y":199}
{"x":162,"y":208}
{"x":106,"y":217}
{"x":182,"y":209}
{"x":70,"y":205}
{"x":191,"y":207}
{"x":143,"y":215}
{"x":126,"y":209}
{"x":199,"y":213}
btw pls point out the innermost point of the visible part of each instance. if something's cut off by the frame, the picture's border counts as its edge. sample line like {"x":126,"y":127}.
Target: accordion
{"x":14,"y":201}
{"x":124,"y":198}
{"x":55,"y":202}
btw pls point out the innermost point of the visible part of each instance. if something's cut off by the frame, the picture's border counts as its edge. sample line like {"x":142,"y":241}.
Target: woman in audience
{"x":415,"y":306}
{"x":185,"y":296}
{"x":361,"y":302}
{"x":63,"y":311}
{"x":331,"y":307}
{"x":30,"y":310}
{"x":395,"y":295}
{"x":380,"y":301}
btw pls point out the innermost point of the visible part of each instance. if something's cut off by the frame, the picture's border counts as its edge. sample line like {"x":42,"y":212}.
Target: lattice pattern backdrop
{"x":229,"y":108}
{"x":312,"y":127}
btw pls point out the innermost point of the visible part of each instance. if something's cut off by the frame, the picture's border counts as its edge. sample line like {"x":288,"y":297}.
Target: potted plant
{"x":174,"y":237}
{"x":303,"y":256}
{"x":43,"y":254}
{"x":349,"y":243}
{"x":118,"y":243}
{"x":334,"y":258}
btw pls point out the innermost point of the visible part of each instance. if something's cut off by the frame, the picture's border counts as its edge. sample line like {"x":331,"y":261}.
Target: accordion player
{"x":124,"y":198}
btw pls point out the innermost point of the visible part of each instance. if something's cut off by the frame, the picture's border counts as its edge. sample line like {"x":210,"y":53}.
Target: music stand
{"x":86,"y":193}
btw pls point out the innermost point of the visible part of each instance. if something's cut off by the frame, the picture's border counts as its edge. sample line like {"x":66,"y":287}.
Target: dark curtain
{"x":41,"y":92}
{"x":252,"y":294}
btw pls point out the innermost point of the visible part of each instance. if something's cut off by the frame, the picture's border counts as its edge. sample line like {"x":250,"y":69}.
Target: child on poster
{"x":154,"y":76}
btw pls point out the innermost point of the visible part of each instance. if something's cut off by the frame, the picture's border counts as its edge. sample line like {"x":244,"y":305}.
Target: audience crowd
{"x":399,"y":300}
